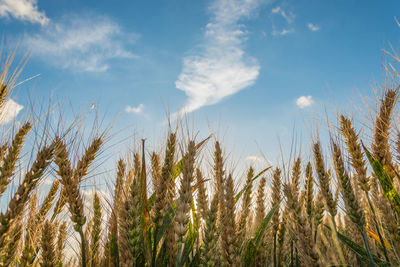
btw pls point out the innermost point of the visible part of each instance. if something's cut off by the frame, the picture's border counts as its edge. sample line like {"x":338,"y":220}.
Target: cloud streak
{"x":83,"y":43}
{"x":219,"y":67}
{"x":25,"y":10}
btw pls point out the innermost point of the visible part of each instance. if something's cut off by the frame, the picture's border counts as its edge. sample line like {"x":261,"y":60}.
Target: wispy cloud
{"x":288,"y":19}
{"x":287,"y":15}
{"x":220,"y":66}
{"x":304,"y":101}
{"x":9,"y":111}
{"x":84,"y":43}
{"x":26,"y":10}
{"x":313,"y":27}
{"x":282,"y":32}
{"x":254,"y":159}
{"x":136,"y":110}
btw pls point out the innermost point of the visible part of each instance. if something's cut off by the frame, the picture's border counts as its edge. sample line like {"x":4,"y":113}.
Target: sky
{"x":255,"y":73}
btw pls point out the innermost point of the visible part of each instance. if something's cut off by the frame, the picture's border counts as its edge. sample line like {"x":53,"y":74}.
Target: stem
{"x":339,"y":249}
{"x":371,"y":260}
{"x":275,"y":250}
{"x":315,"y":235}
{"x":291,"y":254}
{"x":178,"y":252}
{"x":153,"y":257}
{"x":278,"y":257}
{"x":83,"y":248}
{"x":377,"y":227}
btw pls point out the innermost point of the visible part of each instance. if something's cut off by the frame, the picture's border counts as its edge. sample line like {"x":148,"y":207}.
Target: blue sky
{"x":254,"y":72}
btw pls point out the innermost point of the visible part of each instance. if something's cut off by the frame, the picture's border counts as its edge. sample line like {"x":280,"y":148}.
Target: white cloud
{"x":254,"y":159}
{"x":83,"y":43}
{"x":288,"y":16}
{"x":88,"y":196}
{"x":313,"y":27}
{"x":23,"y":10}
{"x":105,"y":201}
{"x":276,"y":10}
{"x":282,"y":32}
{"x":9,"y":111}
{"x":219,"y":67}
{"x":304,"y":101}
{"x":48,"y":181}
{"x":137,"y":110}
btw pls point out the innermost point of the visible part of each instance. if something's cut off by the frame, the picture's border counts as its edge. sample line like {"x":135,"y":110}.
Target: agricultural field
{"x":342,"y":206}
{"x":76,"y":190}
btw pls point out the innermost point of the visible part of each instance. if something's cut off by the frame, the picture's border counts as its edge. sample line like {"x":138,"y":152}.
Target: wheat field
{"x":339,"y":207}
